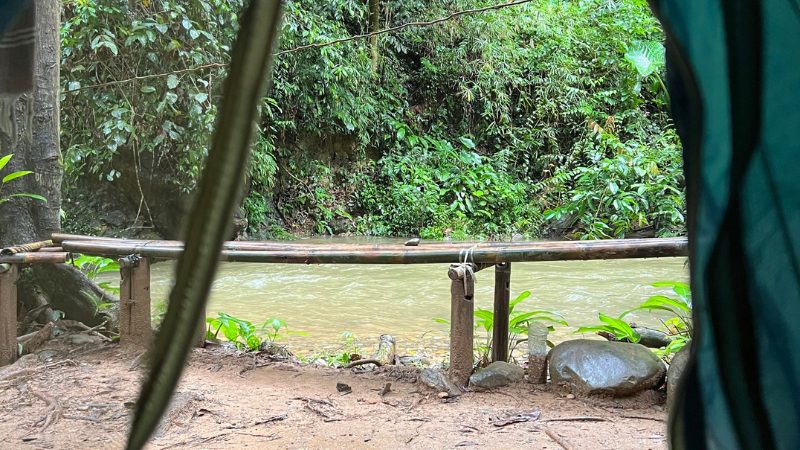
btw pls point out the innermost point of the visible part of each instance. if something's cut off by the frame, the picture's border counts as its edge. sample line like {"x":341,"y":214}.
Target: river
{"x":324,"y":301}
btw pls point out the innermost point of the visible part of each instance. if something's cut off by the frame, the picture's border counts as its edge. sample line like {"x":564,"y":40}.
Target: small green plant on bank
{"x":241,"y":333}
{"x":11,"y":177}
{"x":244,"y":334}
{"x":92,"y":266}
{"x":614,"y":326}
{"x":517,"y":325}
{"x":679,"y":326}
{"x":348,"y":352}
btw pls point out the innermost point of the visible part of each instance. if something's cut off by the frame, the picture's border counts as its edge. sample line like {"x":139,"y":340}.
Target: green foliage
{"x":244,"y":334}
{"x":167,"y":118}
{"x":517,"y":324}
{"x":348,"y":352}
{"x":433,"y":181}
{"x":679,"y":307}
{"x":677,"y":343}
{"x":614,"y":326}
{"x":7,"y":179}
{"x":626,"y":188}
{"x":459,"y":134}
{"x":679,"y":326}
{"x":92,"y":266}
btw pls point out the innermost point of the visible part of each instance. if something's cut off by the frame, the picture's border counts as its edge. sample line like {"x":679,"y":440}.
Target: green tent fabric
{"x":734,"y":80}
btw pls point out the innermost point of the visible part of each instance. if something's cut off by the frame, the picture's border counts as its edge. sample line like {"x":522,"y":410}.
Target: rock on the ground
{"x":497,"y":374}
{"x":652,"y":338}
{"x":675,"y":372}
{"x":439,"y":381}
{"x":599,"y":367}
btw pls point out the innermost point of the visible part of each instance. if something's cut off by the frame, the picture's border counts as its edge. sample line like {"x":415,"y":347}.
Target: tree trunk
{"x":36,"y":147}
{"x":374,"y":23}
{"x":27,"y":220}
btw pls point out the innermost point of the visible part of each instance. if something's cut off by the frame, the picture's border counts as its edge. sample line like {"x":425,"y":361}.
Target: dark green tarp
{"x":734,"y":78}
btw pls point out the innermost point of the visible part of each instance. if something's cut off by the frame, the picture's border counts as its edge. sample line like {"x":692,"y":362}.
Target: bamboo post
{"x":462,"y":306}
{"x":8,"y":313}
{"x":200,"y":337}
{"x":134,"y":302}
{"x":502,"y":285}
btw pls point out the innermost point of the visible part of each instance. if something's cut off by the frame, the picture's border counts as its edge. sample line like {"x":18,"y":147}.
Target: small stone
{"x":437,"y":380}
{"x":344,"y":388}
{"x":497,"y":374}
{"x":443,"y":395}
{"x":652,"y":338}
{"x":571,"y":396}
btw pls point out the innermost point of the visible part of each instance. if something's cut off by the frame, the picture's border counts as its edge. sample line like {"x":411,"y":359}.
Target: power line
{"x":318,"y":45}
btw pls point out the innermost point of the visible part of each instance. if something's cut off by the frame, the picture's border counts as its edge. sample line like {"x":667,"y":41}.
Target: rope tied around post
{"x":466,"y":271}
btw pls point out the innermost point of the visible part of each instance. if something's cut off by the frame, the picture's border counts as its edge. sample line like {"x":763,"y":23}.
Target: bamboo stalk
{"x":35,"y":258}
{"x":50,"y":250}
{"x":394,"y":254}
{"x":31,"y":247}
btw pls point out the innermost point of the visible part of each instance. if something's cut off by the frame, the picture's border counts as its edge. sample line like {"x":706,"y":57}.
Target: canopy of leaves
{"x":544,"y":117}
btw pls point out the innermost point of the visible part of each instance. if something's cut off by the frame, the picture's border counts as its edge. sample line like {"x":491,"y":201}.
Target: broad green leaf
{"x":646,"y":57}
{"x":15,"y":175}
{"x":468,"y":143}
{"x":663,"y":302}
{"x":147,"y":89}
{"x":5,"y":159}
{"x":33,"y":196}
{"x":621,"y":328}
{"x":522,"y":296}
{"x":172,"y":81}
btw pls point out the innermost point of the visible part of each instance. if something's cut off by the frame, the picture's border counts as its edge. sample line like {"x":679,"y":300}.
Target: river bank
{"x":83,"y":398}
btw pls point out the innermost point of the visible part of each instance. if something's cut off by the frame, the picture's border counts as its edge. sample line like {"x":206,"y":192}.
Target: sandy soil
{"x":228,"y":400}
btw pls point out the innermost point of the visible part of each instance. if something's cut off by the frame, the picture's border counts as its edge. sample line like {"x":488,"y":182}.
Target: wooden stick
{"x":557,"y":439}
{"x":361,"y":362}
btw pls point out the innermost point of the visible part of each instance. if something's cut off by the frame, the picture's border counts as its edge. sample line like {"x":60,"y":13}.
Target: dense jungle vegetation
{"x":546,"y":118}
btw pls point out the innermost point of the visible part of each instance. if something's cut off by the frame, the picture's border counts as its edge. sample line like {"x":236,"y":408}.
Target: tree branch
{"x":317,"y":45}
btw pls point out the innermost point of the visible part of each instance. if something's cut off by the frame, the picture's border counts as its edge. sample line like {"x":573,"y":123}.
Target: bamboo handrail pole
{"x":358,"y":254}
{"x":35,"y":258}
{"x":305,"y":246}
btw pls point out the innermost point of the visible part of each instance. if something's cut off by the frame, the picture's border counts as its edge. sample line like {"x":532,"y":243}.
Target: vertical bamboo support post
{"x":8,"y":313}
{"x":134,"y":302}
{"x":462,"y":296}
{"x":502,"y":285}
{"x":200,"y":338}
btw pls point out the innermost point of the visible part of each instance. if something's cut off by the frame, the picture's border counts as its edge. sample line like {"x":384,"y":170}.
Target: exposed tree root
{"x":54,"y":412}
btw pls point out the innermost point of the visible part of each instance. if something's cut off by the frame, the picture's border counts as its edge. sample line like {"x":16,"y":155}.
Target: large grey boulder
{"x":675,"y":372}
{"x":600,"y":367}
{"x":497,"y":374}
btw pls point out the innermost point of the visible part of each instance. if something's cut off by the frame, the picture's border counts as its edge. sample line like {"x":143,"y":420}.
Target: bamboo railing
{"x":465,"y":258}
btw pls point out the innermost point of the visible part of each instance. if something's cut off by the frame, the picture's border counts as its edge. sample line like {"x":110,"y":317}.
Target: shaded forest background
{"x":543,"y":119}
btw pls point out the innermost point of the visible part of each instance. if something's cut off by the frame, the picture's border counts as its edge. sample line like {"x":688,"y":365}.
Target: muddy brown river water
{"x":323,"y":301}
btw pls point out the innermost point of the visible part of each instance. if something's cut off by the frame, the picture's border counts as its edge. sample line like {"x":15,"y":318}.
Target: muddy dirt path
{"x":226,"y":402}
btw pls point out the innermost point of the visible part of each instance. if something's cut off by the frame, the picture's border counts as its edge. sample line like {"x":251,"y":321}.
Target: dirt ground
{"x":228,"y":400}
